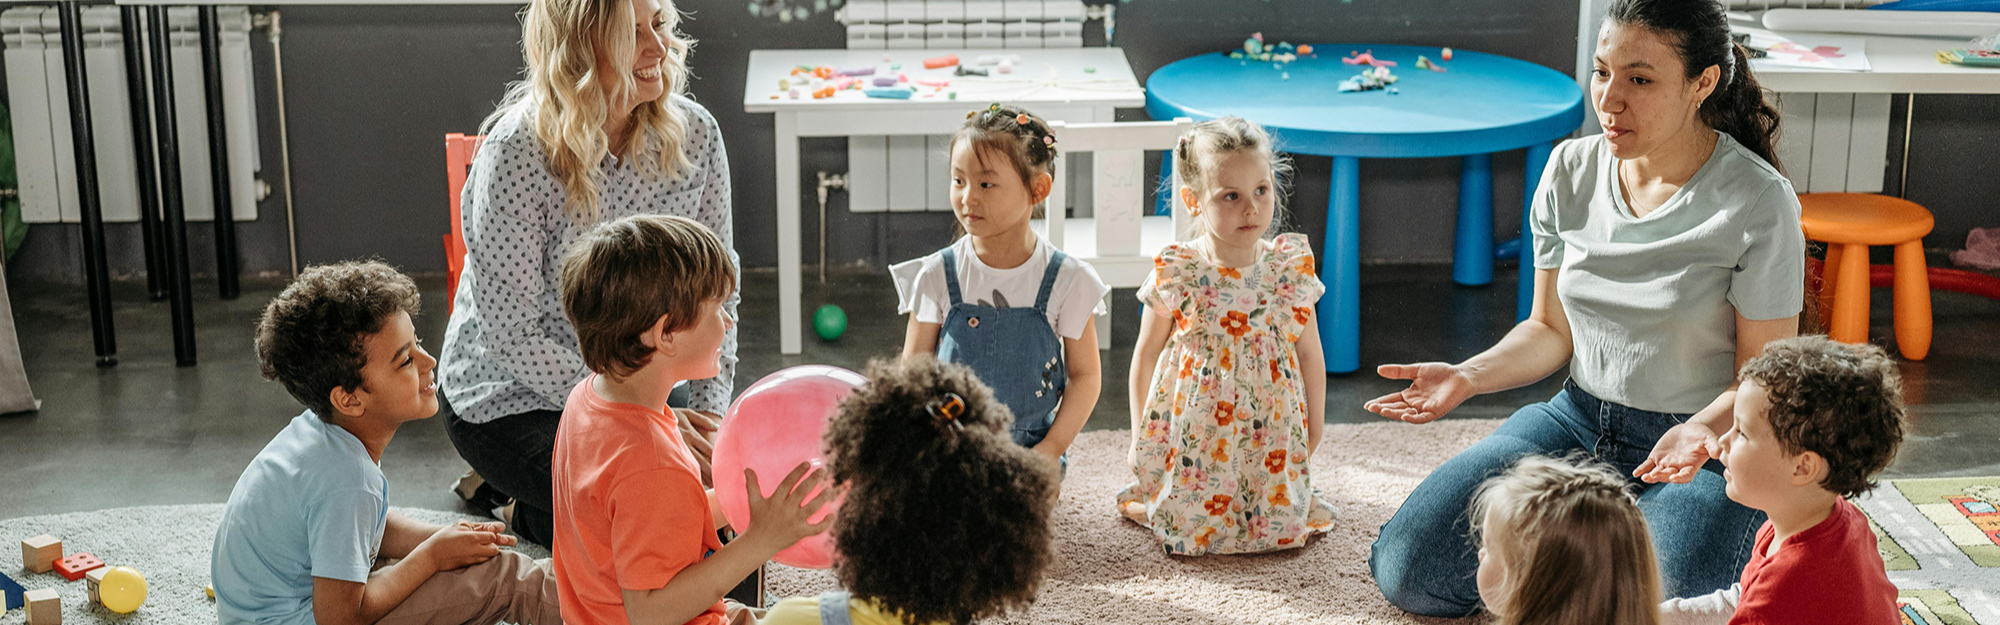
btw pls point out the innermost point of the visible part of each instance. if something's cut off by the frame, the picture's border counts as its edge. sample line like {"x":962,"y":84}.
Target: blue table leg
{"x":1538,"y":159}
{"x":1340,"y":269}
{"x":1472,"y":256}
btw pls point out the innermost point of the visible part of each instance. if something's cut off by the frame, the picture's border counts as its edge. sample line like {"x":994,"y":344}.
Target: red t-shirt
{"x":1829,"y":573}
{"x":630,"y":511}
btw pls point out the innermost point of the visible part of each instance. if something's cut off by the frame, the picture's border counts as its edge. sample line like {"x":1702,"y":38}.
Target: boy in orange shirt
{"x":635,"y":533}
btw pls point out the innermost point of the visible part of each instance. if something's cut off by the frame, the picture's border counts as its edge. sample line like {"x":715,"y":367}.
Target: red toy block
{"x":73,"y":566}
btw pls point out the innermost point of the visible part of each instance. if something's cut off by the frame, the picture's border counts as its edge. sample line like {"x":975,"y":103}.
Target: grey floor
{"x":147,"y":432}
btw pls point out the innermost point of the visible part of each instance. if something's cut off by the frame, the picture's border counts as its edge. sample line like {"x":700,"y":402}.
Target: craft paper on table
{"x":1808,"y":50}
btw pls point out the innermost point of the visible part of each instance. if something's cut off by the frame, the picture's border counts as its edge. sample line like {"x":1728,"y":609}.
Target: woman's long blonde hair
{"x":567,"y":97}
{"x":1573,"y":543}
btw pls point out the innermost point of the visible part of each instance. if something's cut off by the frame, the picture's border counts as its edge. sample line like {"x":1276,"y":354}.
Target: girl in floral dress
{"x":1228,"y":381}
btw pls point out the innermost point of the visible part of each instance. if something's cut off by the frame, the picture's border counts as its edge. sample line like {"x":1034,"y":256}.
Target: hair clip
{"x":947,"y":409}
{"x":1021,"y":120}
{"x":1049,"y":140}
{"x":971,"y":113}
{"x":994,"y":107}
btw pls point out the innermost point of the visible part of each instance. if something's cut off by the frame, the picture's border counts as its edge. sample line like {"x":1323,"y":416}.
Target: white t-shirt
{"x":1652,"y":301}
{"x":1077,"y":294}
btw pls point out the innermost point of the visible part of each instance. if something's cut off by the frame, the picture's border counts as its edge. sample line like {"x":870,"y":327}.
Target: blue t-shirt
{"x":312,"y":504}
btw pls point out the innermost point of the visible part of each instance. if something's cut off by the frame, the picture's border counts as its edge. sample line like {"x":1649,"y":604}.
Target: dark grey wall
{"x":372,"y":91}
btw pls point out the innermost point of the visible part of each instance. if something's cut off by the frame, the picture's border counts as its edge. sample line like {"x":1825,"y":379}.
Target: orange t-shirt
{"x":630,"y":511}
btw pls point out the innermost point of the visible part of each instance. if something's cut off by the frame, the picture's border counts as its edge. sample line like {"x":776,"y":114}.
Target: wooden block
{"x":93,"y":579}
{"x":39,"y":554}
{"x":73,"y":566}
{"x":44,"y":607}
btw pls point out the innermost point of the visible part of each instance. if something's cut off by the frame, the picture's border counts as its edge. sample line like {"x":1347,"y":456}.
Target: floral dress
{"x":1221,"y":458}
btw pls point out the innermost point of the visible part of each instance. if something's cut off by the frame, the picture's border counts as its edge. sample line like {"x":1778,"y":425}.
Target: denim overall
{"x":1012,"y":350}
{"x":833,"y":608}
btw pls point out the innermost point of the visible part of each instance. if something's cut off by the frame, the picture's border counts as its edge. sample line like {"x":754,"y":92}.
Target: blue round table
{"x":1483,"y":104}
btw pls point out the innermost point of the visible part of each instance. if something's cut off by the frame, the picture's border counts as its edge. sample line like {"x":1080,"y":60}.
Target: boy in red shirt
{"x":635,"y":534}
{"x":1815,"y":419}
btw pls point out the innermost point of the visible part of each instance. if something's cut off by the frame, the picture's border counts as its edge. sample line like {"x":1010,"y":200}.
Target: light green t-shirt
{"x":1652,"y":301}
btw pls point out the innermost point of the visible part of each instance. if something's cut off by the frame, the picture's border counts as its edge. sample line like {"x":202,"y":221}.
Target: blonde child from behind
{"x":635,"y":531}
{"x":1561,"y":542}
{"x":924,"y":446}
{"x":1002,"y":300}
{"x":1228,"y":357}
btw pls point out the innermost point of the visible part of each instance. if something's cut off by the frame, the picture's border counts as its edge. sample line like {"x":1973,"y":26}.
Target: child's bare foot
{"x":1135,"y":512}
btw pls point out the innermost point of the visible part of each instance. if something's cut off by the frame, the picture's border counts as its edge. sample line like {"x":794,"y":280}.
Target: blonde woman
{"x":598,"y":131}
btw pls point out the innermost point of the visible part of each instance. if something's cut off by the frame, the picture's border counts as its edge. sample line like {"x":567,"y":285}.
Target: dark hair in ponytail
{"x":1700,"y":31}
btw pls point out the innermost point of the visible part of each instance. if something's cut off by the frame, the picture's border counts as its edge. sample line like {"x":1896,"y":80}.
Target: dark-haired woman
{"x":1668,"y":252}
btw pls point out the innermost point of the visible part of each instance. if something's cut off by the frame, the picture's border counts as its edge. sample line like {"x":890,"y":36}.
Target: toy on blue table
{"x":1424,"y":62}
{"x":1369,"y":80}
{"x":1368,"y":59}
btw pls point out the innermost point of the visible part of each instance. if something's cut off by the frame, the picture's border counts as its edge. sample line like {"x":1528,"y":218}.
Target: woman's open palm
{"x":1435,"y":389}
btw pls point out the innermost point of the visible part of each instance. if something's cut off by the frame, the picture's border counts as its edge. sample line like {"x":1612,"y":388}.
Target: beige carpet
{"x":1112,"y":571}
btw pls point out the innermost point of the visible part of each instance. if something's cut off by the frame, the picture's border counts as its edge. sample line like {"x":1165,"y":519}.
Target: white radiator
{"x":43,"y":149}
{"x":1834,"y":142}
{"x":913,"y":174}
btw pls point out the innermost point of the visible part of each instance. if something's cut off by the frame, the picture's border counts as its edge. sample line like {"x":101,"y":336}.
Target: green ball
{"x":829,"y":322}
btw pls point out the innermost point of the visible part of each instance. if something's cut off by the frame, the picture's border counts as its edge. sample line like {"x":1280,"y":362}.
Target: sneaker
{"x":477,"y":493}
{"x":468,"y":486}
{"x":505,"y":514}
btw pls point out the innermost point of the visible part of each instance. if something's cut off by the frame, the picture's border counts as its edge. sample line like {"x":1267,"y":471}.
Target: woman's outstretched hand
{"x":1435,"y":389}
{"x":1680,"y":454}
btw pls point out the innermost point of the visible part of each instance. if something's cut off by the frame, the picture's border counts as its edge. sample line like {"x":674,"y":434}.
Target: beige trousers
{"x":511,"y":587}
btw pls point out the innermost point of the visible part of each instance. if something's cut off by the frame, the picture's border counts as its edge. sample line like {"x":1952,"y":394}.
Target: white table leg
{"x":789,"y":335}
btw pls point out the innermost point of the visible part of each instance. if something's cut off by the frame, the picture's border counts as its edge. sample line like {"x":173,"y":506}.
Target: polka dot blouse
{"x":509,"y":348}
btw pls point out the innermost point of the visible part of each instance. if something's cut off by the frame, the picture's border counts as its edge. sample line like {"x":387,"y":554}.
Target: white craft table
{"x":1896,"y":65}
{"x":1052,"y":83}
{"x":1839,"y":122}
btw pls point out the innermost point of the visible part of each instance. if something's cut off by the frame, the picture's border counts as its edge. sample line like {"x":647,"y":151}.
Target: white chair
{"x":1120,"y":240}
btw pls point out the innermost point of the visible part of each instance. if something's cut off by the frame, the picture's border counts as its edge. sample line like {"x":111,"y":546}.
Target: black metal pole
{"x":96,"y":275}
{"x":218,"y":154}
{"x":181,"y":296}
{"x":142,"y":145}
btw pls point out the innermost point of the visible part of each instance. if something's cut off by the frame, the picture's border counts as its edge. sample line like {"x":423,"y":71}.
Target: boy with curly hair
{"x":929,"y":468}
{"x":307,"y":536}
{"x":1815,"y":421}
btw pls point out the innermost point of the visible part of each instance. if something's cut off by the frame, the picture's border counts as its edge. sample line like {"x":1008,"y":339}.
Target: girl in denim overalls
{"x":1001,"y":300}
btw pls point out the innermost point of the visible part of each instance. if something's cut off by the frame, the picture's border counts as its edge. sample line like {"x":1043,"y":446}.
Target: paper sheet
{"x":1809,"y":50}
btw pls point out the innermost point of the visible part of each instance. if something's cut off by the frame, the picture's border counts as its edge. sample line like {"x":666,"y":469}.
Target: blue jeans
{"x":1426,"y":558}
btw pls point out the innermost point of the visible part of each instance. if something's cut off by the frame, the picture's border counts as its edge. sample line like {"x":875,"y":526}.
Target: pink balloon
{"x":776,"y":424}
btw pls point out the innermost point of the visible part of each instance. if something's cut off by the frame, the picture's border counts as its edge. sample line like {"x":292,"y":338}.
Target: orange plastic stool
{"x":1850,"y":222}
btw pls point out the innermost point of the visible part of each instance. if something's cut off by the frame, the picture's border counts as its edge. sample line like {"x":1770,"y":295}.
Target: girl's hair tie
{"x":947,"y":408}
